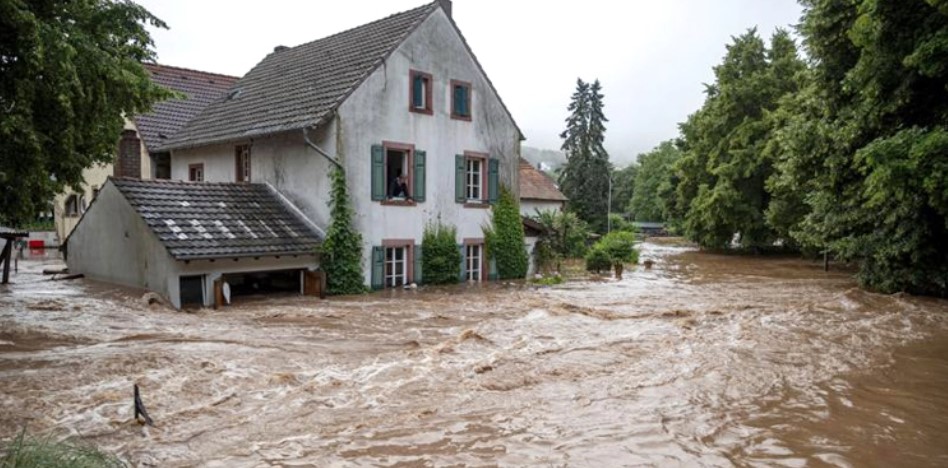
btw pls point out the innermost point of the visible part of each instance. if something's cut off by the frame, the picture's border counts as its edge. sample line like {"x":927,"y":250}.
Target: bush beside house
{"x":441,"y":257}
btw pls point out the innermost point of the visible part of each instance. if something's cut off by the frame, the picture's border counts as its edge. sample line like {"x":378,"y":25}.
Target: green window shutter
{"x":419,"y":182}
{"x":493,"y":181}
{"x":459,"y":179}
{"x":378,"y":173}
{"x":417,"y":91}
{"x":462,"y":274}
{"x":417,"y":277}
{"x":460,"y":96}
{"x":492,"y":269}
{"x":465,"y":101}
{"x":378,"y":267}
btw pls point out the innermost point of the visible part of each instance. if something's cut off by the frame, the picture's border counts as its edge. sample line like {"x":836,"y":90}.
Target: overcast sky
{"x":651,"y":56}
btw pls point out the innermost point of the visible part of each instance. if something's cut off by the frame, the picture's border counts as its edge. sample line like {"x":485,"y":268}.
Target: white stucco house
{"x":402,"y":104}
{"x":538,"y":193}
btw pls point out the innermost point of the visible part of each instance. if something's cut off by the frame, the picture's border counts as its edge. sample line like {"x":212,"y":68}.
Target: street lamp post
{"x":609,"y":206}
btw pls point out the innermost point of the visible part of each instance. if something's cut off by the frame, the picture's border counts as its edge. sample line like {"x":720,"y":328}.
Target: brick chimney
{"x":446,"y":6}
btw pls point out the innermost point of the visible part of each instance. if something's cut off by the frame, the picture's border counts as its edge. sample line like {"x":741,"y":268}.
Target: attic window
{"x":234,"y":94}
{"x":460,"y":100}
{"x":420,"y":92}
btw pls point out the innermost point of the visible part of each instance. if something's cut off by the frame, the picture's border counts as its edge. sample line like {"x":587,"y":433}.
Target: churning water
{"x":702,"y":360}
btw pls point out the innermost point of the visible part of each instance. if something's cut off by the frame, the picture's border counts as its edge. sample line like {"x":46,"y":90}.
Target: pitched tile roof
{"x":196,"y":220}
{"x":167,"y":117}
{"x":535,"y":185}
{"x":299,"y":86}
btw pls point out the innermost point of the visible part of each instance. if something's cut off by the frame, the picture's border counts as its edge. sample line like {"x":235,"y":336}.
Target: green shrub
{"x":341,"y":252}
{"x":620,"y":247}
{"x":440,"y":257}
{"x":564,"y":236}
{"x":504,"y":237}
{"x":598,"y":260}
{"x":28,"y":452}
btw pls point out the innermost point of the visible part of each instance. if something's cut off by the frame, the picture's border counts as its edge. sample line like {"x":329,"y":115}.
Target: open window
{"x":420,"y":92}
{"x":162,"y":165}
{"x":398,"y":174}
{"x":71,"y":207}
{"x":460,"y":100}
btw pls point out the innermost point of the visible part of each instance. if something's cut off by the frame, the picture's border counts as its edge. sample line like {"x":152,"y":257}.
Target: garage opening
{"x":263,"y":282}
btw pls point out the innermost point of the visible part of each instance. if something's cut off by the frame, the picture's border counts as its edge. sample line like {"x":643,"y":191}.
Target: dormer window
{"x":420,"y":92}
{"x":460,"y":100}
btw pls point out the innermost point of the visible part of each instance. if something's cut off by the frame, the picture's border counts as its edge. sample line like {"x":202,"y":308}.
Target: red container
{"x":36,"y":244}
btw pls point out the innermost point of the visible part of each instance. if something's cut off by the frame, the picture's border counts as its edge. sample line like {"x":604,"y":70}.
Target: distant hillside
{"x":552,"y":159}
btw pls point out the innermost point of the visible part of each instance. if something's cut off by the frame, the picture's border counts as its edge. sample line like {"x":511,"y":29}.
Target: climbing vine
{"x":341,"y":252}
{"x":504,"y":237}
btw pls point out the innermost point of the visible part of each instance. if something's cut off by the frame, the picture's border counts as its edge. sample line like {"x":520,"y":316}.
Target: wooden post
{"x":5,"y":259}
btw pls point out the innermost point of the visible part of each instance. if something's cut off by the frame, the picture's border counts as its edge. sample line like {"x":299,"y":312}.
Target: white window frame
{"x":391,"y":279}
{"x":474,"y":262}
{"x":474,"y":179}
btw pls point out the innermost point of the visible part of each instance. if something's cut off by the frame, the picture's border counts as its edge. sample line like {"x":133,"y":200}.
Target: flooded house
{"x":196,"y":244}
{"x":402,"y":104}
{"x":137,"y":155}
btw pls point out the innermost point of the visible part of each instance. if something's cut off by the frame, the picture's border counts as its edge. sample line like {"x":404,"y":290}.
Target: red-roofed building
{"x":538,"y":191}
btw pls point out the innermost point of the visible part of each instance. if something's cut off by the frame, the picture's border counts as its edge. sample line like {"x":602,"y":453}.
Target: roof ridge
{"x":183,"y":182}
{"x":308,"y":61}
{"x":193,"y":70}
{"x":364,"y":25}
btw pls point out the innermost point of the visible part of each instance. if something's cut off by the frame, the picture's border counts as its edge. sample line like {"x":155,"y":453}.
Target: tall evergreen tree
{"x":585,"y":177}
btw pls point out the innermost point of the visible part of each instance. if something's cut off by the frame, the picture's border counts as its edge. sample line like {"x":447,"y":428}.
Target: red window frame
{"x":409,"y":245}
{"x":466,"y":118}
{"x":485,"y":197}
{"x":429,"y":108}
{"x":192,"y":168}
{"x":239,"y":151}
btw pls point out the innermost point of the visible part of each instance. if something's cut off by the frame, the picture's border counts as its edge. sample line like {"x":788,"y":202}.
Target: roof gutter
{"x":320,"y":150}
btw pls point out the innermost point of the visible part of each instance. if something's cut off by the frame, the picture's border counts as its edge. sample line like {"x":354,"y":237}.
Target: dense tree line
{"x":844,"y":151}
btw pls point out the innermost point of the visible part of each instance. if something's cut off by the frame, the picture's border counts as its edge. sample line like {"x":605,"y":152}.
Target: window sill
{"x":399,"y":203}
{"x":481,"y":206}
{"x":465,"y":118}
{"x":421,"y":111}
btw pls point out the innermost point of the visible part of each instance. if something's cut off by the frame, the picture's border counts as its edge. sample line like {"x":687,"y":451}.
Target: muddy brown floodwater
{"x":702,"y":360}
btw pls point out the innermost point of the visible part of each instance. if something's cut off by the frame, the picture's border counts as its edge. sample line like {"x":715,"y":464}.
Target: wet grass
{"x":26,"y":451}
